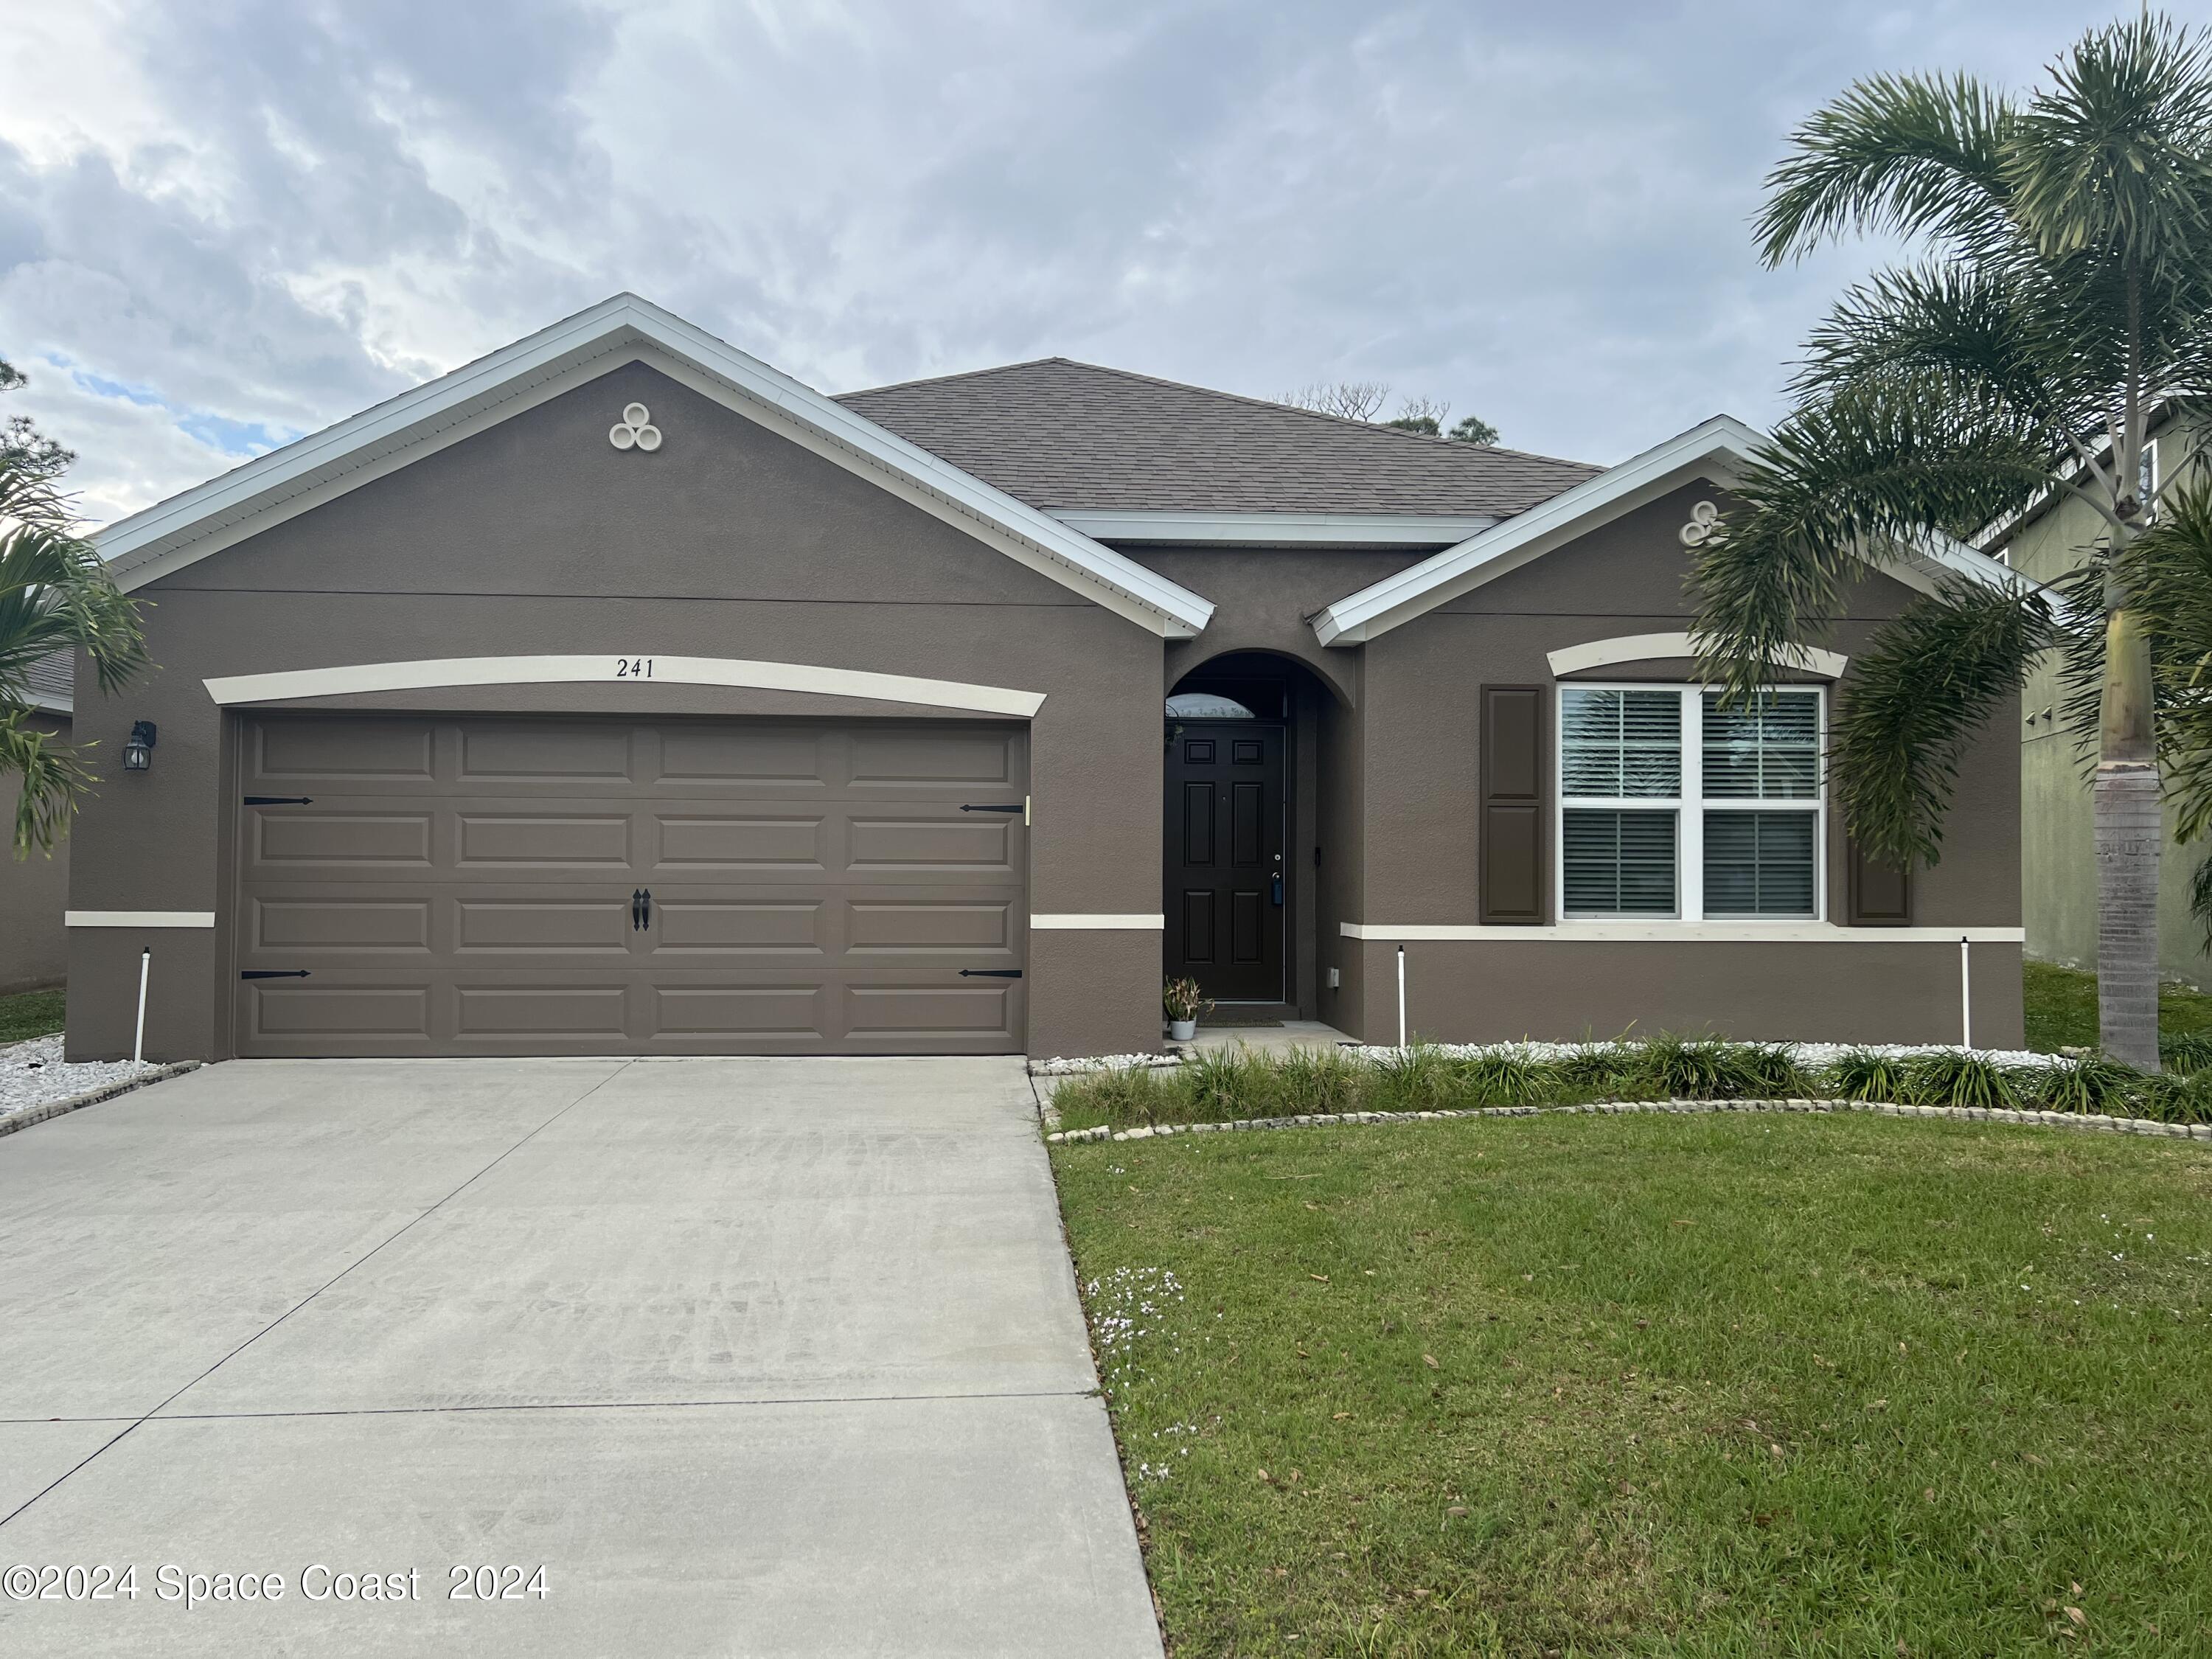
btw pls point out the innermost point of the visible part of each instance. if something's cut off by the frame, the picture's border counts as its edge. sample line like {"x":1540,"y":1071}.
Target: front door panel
{"x":1225,"y":843}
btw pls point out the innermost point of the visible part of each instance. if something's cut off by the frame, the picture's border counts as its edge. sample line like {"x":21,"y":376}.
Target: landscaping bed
{"x":1226,"y":1084}
{"x":1722,"y":1383}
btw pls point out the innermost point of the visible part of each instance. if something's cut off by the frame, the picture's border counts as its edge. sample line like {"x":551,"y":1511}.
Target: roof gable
{"x":204,"y":520}
{"x":1071,"y":437}
{"x":1716,"y":449}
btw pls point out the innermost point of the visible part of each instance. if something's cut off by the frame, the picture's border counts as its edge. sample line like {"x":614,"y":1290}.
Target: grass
{"x":1222,"y":1083}
{"x":2061,"y":1005}
{"x":30,"y":1014}
{"x":1711,"y":1385}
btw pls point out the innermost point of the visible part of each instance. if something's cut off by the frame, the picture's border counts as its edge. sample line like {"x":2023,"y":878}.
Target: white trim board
{"x":1279,"y":529}
{"x":203,"y":519}
{"x":609,"y":668}
{"x":1716,"y":450}
{"x":1681,"y":933}
{"x":1652,"y":647}
{"x":138,"y":918}
{"x":1132,"y":922}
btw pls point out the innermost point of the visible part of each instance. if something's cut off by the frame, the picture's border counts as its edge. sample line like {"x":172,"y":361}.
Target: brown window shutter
{"x":1511,"y":848}
{"x":1880,"y":895}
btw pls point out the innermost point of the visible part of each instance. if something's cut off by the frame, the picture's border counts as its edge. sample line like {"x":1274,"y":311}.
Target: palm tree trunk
{"x":2125,"y":802}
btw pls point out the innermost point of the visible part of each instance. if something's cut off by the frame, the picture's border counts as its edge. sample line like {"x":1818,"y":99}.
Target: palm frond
{"x":1861,"y":479}
{"x":1969,"y":336}
{"x":56,"y":594}
{"x":1903,"y":155}
{"x":2117,"y":154}
{"x":52,"y":778}
{"x":1916,"y":698}
{"x":2167,"y":574}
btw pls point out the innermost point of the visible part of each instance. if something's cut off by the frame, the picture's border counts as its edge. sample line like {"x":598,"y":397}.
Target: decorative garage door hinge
{"x":1012,"y":807}
{"x":990,"y":973}
{"x":272,"y":973}
{"x":279,"y":801}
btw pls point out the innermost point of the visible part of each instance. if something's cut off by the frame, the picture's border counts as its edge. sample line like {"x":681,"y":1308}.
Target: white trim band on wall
{"x":608,"y":667}
{"x":1694,"y":933}
{"x":1653,"y":648}
{"x":1132,"y":922}
{"x":138,"y":918}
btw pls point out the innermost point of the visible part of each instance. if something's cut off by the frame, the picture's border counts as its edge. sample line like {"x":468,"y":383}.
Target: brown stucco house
{"x":617,"y":694}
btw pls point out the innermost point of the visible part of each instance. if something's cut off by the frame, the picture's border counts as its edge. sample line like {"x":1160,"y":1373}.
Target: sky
{"x":227,"y":223}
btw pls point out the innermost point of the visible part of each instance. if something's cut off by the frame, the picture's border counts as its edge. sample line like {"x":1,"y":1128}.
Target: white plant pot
{"x":1181,"y":1030}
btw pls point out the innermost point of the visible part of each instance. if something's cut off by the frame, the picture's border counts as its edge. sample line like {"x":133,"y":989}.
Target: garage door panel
{"x":794,"y":1012}
{"x":596,"y":841}
{"x":965,"y":928}
{"x":381,"y":926}
{"x":776,"y":757}
{"x":387,"y":752}
{"x":815,"y":888}
{"x":930,"y":1013}
{"x":908,"y":842}
{"x":498,"y":752}
{"x":297,"y":843}
{"x":890,"y":759}
{"x":294,"y":1016}
{"x":796,"y":928}
{"x":570,"y":1013}
{"x":782,"y":846}
{"x":505,"y":927}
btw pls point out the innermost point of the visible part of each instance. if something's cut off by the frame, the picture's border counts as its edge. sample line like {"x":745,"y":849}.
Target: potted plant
{"x":1184,"y":1002}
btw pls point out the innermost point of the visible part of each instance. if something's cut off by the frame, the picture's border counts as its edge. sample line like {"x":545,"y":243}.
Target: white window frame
{"x":1689,"y":808}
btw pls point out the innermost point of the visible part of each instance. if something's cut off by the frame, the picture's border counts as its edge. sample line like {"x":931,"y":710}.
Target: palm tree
{"x":2061,"y":298}
{"x":55,"y":595}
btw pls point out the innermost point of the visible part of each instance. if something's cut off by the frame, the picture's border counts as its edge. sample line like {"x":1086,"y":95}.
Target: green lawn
{"x":2062,"y":1009}
{"x":1712,"y":1385}
{"x":31,"y":1013}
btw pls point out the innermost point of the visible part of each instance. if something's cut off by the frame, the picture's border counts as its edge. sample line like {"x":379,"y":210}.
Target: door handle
{"x":1276,"y":883}
{"x":636,"y":909}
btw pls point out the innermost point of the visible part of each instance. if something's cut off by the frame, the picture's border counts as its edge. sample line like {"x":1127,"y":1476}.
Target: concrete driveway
{"x":750,"y":1356}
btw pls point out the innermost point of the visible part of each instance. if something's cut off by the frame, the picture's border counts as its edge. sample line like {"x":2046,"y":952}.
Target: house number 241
{"x":633,"y":668}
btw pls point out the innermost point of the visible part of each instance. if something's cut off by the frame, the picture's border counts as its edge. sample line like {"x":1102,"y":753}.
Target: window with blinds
{"x":1674,"y":804}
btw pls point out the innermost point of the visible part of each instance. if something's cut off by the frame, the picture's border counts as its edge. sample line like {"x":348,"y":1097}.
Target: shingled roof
{"x":1068,"y":436}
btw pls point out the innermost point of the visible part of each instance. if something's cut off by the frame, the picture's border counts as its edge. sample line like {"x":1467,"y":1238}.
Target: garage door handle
{"x":273,"y":973}
{"x":636,"y":909}
{"x":990,"y":973}
{"x":1016,"y":807}
{"x":279,"y":801}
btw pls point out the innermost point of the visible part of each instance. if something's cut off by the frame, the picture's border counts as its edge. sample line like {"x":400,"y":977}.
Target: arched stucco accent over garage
{"x":608,"y":666}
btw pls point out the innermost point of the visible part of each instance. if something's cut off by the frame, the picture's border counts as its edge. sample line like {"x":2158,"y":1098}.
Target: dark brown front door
{"x":1225,"y":846}
{"x":497,"y":885}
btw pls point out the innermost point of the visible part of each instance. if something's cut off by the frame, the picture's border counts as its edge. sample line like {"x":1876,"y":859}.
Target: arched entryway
{"x":1242,"y":837}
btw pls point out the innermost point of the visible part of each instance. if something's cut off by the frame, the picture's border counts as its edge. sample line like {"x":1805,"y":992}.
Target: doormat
{"x":1236,"y":1019}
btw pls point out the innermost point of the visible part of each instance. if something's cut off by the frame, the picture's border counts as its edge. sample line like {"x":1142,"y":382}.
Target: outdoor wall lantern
{"x":138,"y":749}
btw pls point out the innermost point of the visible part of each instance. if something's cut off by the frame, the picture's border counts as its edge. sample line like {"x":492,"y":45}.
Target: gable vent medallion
{"x":1705,"y":524}
{"x":635,"y":430}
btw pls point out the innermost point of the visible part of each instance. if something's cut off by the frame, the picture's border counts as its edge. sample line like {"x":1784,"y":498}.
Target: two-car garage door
{"x":500,"y":886}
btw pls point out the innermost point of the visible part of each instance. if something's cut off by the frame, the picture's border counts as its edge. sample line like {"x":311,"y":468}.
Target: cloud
{"x":224,"y":224}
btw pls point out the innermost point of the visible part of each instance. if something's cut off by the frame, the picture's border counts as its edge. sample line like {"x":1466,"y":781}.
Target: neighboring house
{"x":617,"y":694}
{"x":2057,"y":832}
{"x":34,"y":890}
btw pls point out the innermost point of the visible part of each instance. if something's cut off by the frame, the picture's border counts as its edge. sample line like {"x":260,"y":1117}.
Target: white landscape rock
{"x":34,"y":1073}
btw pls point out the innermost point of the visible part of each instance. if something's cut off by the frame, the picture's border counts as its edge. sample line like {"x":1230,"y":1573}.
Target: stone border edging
{"x":31,"y":1114}
{"x":2133,"y":1126}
